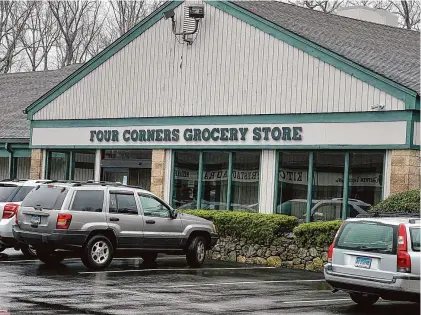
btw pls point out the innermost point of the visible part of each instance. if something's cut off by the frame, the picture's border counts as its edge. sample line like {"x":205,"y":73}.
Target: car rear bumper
{"x":59,"y":239}
{"x":401,"y":287}
{"x":6,"y":226}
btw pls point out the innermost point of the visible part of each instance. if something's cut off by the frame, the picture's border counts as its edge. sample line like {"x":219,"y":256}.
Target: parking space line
{"x":174,"y":269}
{"x":316,"y":301}
{"x":244,"y":282}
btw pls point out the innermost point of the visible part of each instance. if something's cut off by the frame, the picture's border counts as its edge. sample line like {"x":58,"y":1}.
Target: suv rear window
{"x":415,"y":239}
{"x":368,"y":236}
{"x":22,"y":193}
{"x":46,"y":197}
{"x":6,"y":191}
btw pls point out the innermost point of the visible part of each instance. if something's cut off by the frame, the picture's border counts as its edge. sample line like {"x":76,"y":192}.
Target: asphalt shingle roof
{"x":19,"y":90}
{"x":391,"y":52}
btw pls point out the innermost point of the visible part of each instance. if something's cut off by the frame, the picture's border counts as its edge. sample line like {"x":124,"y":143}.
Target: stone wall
{"x":158,"y":172}
{"x":36,"y":164}
{"x":405,"y":173}
{"x":283,"y":252}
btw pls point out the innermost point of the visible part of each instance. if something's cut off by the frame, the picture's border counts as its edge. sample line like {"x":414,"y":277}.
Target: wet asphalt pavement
{"x":170,"y":287}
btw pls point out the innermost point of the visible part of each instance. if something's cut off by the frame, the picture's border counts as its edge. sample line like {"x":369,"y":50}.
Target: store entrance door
{"x":115,"y":174}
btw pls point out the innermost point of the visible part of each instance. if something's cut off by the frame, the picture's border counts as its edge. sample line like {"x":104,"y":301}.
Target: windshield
{"x":6,"y":191}
{"x":368,"y":236}
{"x":415,"y":239}
{"x":46,"y":197}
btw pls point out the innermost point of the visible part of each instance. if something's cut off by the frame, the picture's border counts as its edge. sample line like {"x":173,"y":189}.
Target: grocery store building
{"x":264,"y":103}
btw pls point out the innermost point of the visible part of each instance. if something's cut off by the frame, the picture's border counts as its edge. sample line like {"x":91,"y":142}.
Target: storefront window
{"x":84,"y":166}
{"x":4,"y":168}
{"x":215,"y":180}
{"x":365,"y":178}
{"x":185,"y":179}
{"x":58,"y":165}
{"x":22,"y":167}
{"x":245,"y":181}
{"x":132,"y":167}
{"x":328,"y":174}
{"x":292,"y":183}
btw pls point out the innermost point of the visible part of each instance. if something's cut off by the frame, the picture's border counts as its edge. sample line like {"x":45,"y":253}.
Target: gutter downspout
{"x":11,"y":166}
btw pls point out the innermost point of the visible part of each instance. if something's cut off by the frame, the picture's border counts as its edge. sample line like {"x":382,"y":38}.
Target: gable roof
{"x":281,"y":20}
{"x":388,"y":51}
{"x":19,"y":90}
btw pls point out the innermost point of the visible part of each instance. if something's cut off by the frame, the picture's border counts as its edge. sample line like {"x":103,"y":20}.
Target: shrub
{"x":257,"y":228}
{"x":316,"y":234}
{"x":408,"y":201}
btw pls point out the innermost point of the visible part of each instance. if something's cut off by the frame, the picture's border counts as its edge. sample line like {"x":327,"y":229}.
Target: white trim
{"x":167,"y":176}
{"x":43,"y":164}
{"x":267,"y":181}
{"x":97,"y":171}
{"x":387,"y":173}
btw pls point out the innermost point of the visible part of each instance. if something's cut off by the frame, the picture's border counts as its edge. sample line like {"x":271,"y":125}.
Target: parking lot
{"x":170,"y":287}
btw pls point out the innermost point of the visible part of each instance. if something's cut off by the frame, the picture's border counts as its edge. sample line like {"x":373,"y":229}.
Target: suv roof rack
{"x":379,"y":214}
{"x":14,"y":180}
{"x":105,"y":183}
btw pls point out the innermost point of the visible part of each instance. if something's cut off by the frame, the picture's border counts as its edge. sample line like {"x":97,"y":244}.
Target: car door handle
{"x":150,"y":221}
{"x":114,"y":219}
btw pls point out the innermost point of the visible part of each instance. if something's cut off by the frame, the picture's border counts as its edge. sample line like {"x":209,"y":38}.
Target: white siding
{"x":231,"y":69}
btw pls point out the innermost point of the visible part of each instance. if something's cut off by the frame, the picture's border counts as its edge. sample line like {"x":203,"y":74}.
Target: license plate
{"x":363,"y":262}
{"x":35,"y":219}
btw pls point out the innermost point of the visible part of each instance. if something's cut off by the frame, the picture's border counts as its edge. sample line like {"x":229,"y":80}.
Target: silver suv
{"x":376,"y":256}
{"x":96,"y":219}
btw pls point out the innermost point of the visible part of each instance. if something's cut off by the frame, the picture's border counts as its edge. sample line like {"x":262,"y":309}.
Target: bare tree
{"x":327,"y":6}
{"x":79,"y":24}
{"x":40,"y":36}
{"x":409,"y":12}
{"x":13,"y":17}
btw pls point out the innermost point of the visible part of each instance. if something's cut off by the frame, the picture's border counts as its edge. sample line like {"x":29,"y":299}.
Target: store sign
{"x":216,"y":134}
{"x":286,"y":176}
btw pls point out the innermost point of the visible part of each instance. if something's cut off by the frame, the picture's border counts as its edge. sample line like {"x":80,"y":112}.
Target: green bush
{"x":257,"y":228}
{"x":408,"y":201}
{"x":316,"y":234}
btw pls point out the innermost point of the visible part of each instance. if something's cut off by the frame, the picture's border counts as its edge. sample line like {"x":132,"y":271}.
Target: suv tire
{"x":196,"y":252}
{"x":149,"y":258}
{"x":2,"y":248}
{"x":364,"y":300}
{"x":97,"y":253}
{"x":28,"y":251}
{"x":50,"y":259}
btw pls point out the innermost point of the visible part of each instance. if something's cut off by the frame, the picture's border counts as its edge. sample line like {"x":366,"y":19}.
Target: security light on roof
{"x":195,"y":12}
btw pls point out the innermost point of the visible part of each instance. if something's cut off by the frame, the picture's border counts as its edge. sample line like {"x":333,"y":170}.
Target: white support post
{"x":267,"y":181}
{"x":167,"y":176}
{"x":97,"y":172}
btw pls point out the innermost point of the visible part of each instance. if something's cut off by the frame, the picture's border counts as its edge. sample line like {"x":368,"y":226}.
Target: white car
{"x":12,"y":192}
{"x":373,"y":257}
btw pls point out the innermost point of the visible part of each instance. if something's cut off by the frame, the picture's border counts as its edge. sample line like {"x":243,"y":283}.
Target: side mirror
{"x":173,"y":214}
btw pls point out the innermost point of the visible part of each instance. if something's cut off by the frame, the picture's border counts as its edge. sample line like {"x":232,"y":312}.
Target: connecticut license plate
{"x":363,"y":262}
{"x":35,"y":219}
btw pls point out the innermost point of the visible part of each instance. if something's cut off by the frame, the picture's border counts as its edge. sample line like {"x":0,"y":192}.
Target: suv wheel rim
{"x":100,"y":252}
{"x":200,"y":251}
{"x":32,"y":250}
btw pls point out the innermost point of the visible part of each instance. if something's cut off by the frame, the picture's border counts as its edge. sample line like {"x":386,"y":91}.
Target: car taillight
{"x":404,"y":260}
{"x":63,"y":221}
{"x":330,"y":252}
{"x":10,"y":210}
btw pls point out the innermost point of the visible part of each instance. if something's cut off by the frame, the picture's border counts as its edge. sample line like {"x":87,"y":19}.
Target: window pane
{"x":186,"y":168}
{"x":46,"y":197}
{"x":153,"y":208}
{"x":84,"y":166}
{"x":245,"y":181}
{"x":58,"y":165}
{"x":367,"y":236}
{"x":292,"y":183}
{"x":328,"y":181}
{"x":88,"y":200}
{"x":21,"y":194}
{"x":215,"y":180}
{"x":415,"y":239}
{"x":365,"y":178}
{"x":123,"y":204}
{"x":6,"y":191}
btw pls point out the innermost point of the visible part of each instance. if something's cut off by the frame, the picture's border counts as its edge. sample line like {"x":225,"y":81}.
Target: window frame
{"x":72,"y":200}
{"x":412,"y":238}
{"x":123,"y":192}
{"x":167,"y":206}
